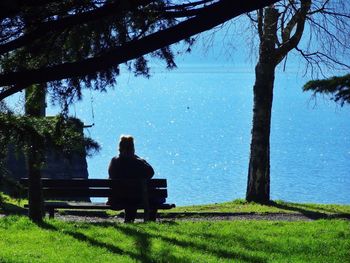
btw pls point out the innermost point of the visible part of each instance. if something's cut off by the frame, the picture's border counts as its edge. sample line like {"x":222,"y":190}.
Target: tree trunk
{"x":34,"y":188}
{"x":35,"y":107}
{"x":258,"y":187}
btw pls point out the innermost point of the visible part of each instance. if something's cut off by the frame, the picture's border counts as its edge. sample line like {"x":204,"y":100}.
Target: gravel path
{"x":188,"y":216}
{"x":205,"y":217}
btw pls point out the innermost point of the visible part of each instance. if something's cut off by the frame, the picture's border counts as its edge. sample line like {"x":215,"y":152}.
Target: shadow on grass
{"x":96,"y":243}
{"x":308,"y":211}
{"x":185,"y":242}
{"x":311,"y":207}
{"x":11,"y":209}
{"x":143,"y":236}
{"x":141,"y":240}
{"x":46,"y":226}
{"x":92,"y":241}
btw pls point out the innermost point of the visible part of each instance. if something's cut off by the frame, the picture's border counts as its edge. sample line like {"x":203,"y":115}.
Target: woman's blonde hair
{"x":126,"y":146}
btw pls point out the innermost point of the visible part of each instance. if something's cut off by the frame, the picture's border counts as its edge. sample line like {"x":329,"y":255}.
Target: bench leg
{"x":130,"y":215}
{"x":51,"y":213}
{"x":153,"y":215}
{"x":146,"y":215}
{"x":150,"y":215}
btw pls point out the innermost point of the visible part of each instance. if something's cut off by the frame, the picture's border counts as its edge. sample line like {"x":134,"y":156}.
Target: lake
{"x":193,"y":126}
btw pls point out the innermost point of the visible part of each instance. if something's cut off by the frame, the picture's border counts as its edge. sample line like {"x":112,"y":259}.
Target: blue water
{"x":193,"y":125}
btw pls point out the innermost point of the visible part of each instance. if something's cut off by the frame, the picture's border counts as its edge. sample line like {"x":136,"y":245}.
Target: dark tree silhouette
{"x":85,"y":41}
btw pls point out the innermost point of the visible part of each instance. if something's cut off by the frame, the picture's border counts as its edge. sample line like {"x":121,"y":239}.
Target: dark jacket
{"x":130,"y":168}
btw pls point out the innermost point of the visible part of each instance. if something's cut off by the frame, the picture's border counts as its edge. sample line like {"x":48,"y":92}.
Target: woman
{"x":129,"y":166}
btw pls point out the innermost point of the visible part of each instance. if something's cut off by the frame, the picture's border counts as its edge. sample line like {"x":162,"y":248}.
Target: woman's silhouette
{"x":129,"y":166}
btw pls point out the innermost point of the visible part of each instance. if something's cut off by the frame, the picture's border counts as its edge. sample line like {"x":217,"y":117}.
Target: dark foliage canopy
{"x":337,"y":87}
{"x":81,"y":43}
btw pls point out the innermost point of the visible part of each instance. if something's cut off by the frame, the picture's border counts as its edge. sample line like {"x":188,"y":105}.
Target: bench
{"x":124,"y":193}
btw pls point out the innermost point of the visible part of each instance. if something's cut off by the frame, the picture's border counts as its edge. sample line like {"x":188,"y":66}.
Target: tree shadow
{"x":204,"y":248}
{"x":96,"y":243}
{"x":143,"y":242}
{"x":246,"y":241}
{"x":12,"y":209}
{"x":46,"y":226}
{"x":331,"y":212}
{"x":141,"y":238}
{"x":307,"y":212}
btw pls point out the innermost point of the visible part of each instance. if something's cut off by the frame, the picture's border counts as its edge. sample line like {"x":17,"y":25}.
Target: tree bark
{"x":258,"y":187}
{"x":35,"y":107}
{"x":35,"y":199}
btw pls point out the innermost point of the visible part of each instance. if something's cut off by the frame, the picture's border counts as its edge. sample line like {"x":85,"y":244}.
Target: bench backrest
{"x":116,"y":188}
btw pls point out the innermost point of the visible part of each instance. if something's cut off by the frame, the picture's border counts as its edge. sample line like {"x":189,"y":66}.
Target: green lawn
{"x":223,"y":241}
{"x":241,"y":206}
{"x":236,"y":206}
{"x":205,"y":241}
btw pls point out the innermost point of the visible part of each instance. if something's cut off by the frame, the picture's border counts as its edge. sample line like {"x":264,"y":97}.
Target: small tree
{"x":280,"y":27}
{"x":35,"y":134}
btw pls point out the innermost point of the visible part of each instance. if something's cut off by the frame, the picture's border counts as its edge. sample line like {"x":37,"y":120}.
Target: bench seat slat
{"x":75,"y":192}
{"x":97,"y":206}
{"x":100,"y":192}
{"x":46,"y":182}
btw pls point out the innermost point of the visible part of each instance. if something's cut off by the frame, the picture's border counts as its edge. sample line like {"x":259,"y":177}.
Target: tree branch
{"x":339,"y":87}
{"x":9,"y":8}
{"x":223,"y":10}
{"x":321,"y":9}
{"x":115,"y":8}
{"x":260,"y":15}
{"x":191,"y":4}
{"x":288,"y":43}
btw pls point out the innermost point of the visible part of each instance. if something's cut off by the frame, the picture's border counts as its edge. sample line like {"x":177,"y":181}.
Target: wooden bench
{"x":124,"y":193}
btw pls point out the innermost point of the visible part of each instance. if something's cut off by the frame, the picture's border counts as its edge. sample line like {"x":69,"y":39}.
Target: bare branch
{"x":325,"y":30}
{"x":291,"y":42}
{"x":321,"y":9}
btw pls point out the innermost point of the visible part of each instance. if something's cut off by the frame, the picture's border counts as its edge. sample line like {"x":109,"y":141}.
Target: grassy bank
{"x":237,"y":206}
{"x":244,"y":241}
{"x":242,"y":206}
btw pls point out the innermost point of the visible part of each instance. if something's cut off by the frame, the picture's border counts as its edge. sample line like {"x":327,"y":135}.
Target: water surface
{"x":193,"y":125}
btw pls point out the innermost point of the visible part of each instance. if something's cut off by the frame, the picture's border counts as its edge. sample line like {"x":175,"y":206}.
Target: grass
{"x":223,"y":241}
{"x":242,"y":206}
{"x":15,"y":206}
{"x":202,"y":241}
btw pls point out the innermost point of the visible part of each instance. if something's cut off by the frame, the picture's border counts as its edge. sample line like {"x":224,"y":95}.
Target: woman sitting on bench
{"x":130,"y":166}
